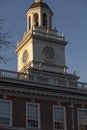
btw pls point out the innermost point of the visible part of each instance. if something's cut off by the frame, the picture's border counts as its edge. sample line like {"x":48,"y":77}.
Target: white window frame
{"x":64,"y":115}
{"x":78,"y":114}
{"x":38,"y":105}
{"x":8,"y":101}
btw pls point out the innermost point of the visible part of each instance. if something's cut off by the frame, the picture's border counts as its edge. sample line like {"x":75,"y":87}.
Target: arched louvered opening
{"x":36,"y":21}
{"x":50,"y":19}
{"x":29,"y":22}
{"x":45,"y":20}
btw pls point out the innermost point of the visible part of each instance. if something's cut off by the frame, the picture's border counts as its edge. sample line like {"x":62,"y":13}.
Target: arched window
{"x":36,"y":19}
{"x":45,"y":20}
{"x":29,"y":22}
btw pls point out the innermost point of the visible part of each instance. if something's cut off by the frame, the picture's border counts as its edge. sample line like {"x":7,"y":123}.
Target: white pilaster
{"x":40,"y":19}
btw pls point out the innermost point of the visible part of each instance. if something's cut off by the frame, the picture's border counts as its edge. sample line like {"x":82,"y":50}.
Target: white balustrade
{"x":61,"y":82}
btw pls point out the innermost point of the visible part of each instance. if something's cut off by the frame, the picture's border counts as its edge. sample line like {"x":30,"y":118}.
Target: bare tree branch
{"x":4,"y":41}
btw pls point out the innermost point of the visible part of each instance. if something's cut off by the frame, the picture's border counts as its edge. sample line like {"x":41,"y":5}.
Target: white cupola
{"x":40,"y":15}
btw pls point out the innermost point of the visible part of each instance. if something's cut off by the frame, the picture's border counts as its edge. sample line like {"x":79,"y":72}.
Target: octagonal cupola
{"x":40,"y":15}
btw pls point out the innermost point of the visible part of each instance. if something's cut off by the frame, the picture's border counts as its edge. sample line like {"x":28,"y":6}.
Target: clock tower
{"x":41,"y":48}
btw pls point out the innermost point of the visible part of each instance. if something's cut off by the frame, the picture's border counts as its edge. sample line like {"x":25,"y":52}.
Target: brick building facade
{"x":42,"y":95}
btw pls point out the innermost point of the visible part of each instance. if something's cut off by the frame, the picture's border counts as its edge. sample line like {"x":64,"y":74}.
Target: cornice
{"x":41,"y":90}
{"x":23,"y":42}
{"x":52,"y":40}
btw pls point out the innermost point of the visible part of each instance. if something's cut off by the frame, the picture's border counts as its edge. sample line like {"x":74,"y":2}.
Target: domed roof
{"x":40,"y":4}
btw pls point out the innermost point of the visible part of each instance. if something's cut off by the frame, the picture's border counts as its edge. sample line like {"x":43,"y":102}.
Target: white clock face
{"x":48,"y":53}
{"x":25,"y":56}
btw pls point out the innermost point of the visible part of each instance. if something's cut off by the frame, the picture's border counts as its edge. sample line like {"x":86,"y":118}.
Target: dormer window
{"x":45,"y":20}
{"x":36,"y":19}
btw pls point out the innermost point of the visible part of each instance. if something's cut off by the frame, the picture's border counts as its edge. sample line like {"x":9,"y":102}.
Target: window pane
{"x":5,"y":112}
{"x":82,"y":119}
{"x":4,"y":120}
{"x":58,"y":118}
{"x":4,"y":108}
{"x":32,"y":115}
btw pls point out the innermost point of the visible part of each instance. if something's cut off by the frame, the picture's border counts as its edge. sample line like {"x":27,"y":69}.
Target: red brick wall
{"x":19,"y":112}
{"x":46,"y":113}
{"x":76,"y":116}
{"x":68,"y":118}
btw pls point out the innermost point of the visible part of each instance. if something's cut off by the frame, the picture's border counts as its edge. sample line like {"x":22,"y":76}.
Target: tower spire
{"x":38,"y":0}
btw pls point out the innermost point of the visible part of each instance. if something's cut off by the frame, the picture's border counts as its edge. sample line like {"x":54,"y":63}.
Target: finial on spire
{"x":38,"y":0}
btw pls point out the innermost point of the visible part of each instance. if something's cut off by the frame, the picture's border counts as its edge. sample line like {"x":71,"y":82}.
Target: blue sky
{"x":70,"y":17}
